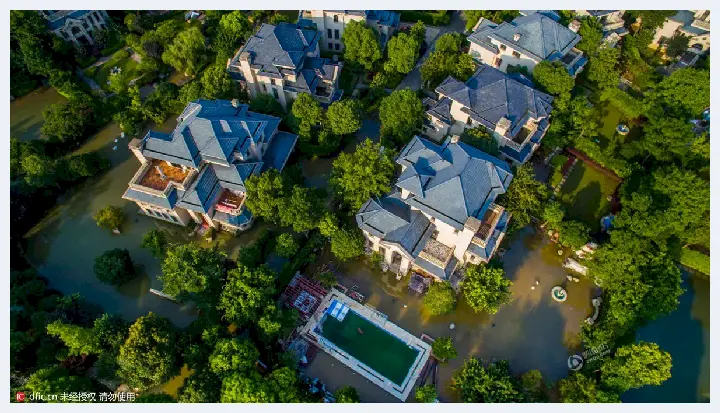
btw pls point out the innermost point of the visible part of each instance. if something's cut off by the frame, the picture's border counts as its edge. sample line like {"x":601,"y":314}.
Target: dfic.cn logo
{"x":20,"y":396}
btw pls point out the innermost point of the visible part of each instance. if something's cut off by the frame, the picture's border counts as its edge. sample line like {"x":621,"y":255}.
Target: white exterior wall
{"x":182,"y":216}
{"x":506,"y":55}
{"x":325,"y":20}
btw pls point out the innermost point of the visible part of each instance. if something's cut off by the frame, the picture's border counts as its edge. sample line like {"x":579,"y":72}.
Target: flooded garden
{"x":532,"y":332}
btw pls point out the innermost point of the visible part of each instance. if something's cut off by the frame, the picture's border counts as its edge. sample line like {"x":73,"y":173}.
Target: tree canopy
{"x":426,"y":394}
{"x":525,"y":197}
{"x":187,"y":53}
{"x":190,"y":271}
{"x":401,"y":115}
{"x":443,"y":349}
{"x":156,"y":241}
{"x":403,"y":51}
{"x":367,"y":172}
{"x":578,"y":388}
{"x":361,"y":45}
{"x":233,"y":355}
{"x":440,"y":299}
{"x":109,"y":217}
{"x":344,"y":117}
{"x":246,"y":293}
{"x":114,"y":267}
{"x":486,"y":288}
{"x":636,"y":365}
{"x":147,"y":358}
{"x":347,"y":394}
{"x":492,"y":384}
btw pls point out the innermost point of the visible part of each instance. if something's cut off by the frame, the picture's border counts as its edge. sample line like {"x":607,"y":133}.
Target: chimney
{"x":574,"y":26}
{"x":502,"y":126}
{"x":516,"y":37}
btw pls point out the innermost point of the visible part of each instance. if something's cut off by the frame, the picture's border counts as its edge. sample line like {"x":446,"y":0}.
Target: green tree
{"x":202,"y":386}
{"x":402,"y":51}
{"x":553,"y":215}
{"x":109,"y":217}
{"x":233,"y":355}
{"x":187,"y":52}
{"x":574,"y":234}
{"x":216,"y":82}
{"x":492,"y":384}
{"x":246,"y":293}
{"x":365,"y":173}
{"x":361,"y":45}
{"x":147,"y":358}
{"x":190,"y":271}
{"x":266,"y":194}
{"x":534,"y":386}
{"x":401,"y":115}
{"x":602,"y":68}
{"x":418,"y":33}
{"x":301,"y":209}
{"x":114,"y":267}
{"x":286,"y":246}
{"x":443,"y":349}
{"x":554,"y":79}
{"x":246,"y":388}
{"x":578,"y":388}
{"x":68,"y":121}
{"x":156,"y":241}
{"x":464,"y":67}
{"x":161,"y":102}
{"x":308,"y":111}
{"x":666,"y":137}
{"x":496,"y":16}
{"x":79,"y":340}
{"x":525,"y":197}
{"x":651,"y":19}
{"x":480,"y":138}
{"x":347,"y":394}
{"x":233,"y":28}
{"x":347,"y":243}
{"x":677,"y":45}
{"x":111,"y":332}
{"x":485,"y":288}
{"x":685,"y":93}
{"x":426,"y":394}
{"x":591,"y":35}
{"x":440,"y":299}
{"x":442,"y":62}
{"x":344,"y":117}
{"x":56,"y":380}
{"x":636,"y":365}
{"x":38,"y":170}
{"x":190,"y":91}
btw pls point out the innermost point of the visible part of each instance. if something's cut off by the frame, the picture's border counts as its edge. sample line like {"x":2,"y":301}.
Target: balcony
{"x":488,"y":224}
{"x":230,"y":202}
{"x":701,"y":24}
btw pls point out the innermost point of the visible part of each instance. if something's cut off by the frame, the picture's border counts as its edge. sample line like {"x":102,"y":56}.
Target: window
{"x":275,"y":93}
{"x":335,"y":18}
{"x":516,"y":55}
{"x":503,"y":47}
{"x":337,"y":46}
{"x":498,"y":62}
{"x":329,"y":33}
{"x":272,"y":81}
{"x":337,"y":33}
{"x":330,"y":46}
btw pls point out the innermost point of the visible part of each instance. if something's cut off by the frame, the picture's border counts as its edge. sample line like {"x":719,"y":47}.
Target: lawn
{"x":584,"y":194}
{"x":374,"y":347}
{"x":122,"y":60}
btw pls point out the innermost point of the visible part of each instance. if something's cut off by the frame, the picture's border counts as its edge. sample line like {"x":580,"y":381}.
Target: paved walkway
{"x":457,"y":25}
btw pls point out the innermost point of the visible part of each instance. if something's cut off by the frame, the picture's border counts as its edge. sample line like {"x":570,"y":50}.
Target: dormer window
{"x":335,"y":18}
{"x":516,"y":37}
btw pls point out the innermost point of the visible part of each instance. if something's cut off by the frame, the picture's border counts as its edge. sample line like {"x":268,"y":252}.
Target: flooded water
{"x":533,"y":331}
{"x":26,"y":112}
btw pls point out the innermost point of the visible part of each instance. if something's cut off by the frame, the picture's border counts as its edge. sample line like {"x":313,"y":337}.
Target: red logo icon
{"x":20,"y":396}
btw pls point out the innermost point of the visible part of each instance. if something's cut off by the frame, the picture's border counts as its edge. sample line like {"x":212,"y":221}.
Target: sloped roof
{"x":451,"y":183}
{"x":490,"y":95}
{"x":539,"y":35}
{"x":284,"y":45}
{"x":60,"y":21}
{"x":210,"y":130}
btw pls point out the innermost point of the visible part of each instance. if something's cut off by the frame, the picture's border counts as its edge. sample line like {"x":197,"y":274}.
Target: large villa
{"x":442,"y":212}
{"x":198,"y":171}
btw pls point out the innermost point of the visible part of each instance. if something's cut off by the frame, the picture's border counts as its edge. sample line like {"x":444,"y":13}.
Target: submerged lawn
{"x":584,"y":194}
{"x":101,"y":74}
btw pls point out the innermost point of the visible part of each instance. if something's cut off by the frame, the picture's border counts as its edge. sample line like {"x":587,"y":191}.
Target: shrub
{"x":440,"y":299}
{"x":121,"y":54}
{"x":109,"y":217}
{"x":443,"y":349}
{"x":286,"y":245}
{"x":114,"y":267}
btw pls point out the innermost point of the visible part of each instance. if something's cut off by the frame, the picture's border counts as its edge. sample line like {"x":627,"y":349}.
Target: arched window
{"x":335,"y":18}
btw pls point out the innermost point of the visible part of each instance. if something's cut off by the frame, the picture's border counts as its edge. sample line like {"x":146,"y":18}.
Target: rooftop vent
{"x":516,"y":37}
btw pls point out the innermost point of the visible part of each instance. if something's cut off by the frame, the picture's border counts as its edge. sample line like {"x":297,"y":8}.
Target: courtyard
{"x":586,"y":194}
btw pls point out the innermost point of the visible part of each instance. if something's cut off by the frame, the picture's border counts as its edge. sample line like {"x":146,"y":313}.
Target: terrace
{"x":230,"y":202}
{"x":159,"y":174}
{"x":437,"y":253}
{"x":487,"y":225}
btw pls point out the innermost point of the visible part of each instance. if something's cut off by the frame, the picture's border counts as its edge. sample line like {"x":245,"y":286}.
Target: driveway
{"x":457,"y":25}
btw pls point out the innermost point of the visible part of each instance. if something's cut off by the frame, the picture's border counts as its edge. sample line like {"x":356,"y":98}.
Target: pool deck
{"x":401,"y":391}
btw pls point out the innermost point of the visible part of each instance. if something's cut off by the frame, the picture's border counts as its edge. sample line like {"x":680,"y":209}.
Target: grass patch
{"x":374,"y":347}
{"x":584,"y":194}
{"x":556,"y":164}
{"x":101,"y":74}
{"x":695,"y":260}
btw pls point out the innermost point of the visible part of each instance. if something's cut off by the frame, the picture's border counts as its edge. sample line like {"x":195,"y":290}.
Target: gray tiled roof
{"x":160,"y":201}
{"x":456,"y":182}
{"x":490,"y":95}
{"x":487,"y":252}
{"x":540,"y":36}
